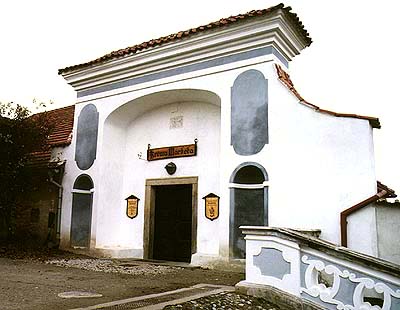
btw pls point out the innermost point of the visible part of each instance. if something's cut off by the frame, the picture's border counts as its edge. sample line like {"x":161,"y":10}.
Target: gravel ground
{"x":23,"y":269}
{"x":228,"y":301}
{"x":109,"y":266}
{"x":212,"y":302}
{"x":27,"y":282}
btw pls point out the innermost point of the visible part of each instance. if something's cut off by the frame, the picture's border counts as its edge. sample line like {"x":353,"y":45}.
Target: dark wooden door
{"x":173,"y":223}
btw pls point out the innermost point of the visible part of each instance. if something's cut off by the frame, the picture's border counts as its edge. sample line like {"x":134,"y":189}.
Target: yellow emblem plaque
{"x":211,"y":206}
{"x":132,"y":204}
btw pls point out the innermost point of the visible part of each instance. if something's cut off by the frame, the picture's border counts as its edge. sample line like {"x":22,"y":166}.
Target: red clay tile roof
{"x":63,"y":120}
{"x":284,"y":77}
{"x":390,"y":192}
{"x":40,"y":159}
{"x":224,"y":22}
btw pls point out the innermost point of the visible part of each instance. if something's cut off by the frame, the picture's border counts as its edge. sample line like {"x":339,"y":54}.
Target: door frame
{"x":149,"y":210}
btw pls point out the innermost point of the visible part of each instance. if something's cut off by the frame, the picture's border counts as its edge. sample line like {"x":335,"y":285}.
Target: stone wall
{"x":36,"y":214}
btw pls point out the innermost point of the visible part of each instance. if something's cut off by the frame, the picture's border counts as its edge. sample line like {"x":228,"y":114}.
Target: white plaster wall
{"x":318,"y":165}
{"x":126,"y":174}
{"x":362,"y":231}
{"x":388,"y":219}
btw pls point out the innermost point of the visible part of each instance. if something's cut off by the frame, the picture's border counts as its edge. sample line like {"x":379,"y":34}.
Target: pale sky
{"x":352,"y":65}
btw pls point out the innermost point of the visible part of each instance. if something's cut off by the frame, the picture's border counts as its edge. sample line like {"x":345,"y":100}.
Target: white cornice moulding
{"x":275,"y":31}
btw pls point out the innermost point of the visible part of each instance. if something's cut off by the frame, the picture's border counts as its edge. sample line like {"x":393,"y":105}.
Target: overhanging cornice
{"x":275,"y":31}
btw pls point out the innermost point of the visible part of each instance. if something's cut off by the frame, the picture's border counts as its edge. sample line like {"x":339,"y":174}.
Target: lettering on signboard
{"x":172,"y":151}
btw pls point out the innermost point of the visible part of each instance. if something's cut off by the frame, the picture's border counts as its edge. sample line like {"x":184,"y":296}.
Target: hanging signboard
{"x":172,"y":151}
{"x":132,"y":204}
{"x":211,"y":206}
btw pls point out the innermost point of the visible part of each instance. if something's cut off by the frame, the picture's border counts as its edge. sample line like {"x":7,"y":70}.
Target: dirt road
{"x":31,"y":284}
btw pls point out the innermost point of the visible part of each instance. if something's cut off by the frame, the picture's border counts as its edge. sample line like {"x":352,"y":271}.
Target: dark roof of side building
{"x":61,"y":136}
{"x":390,"y":192}
{"x":224,"y":22}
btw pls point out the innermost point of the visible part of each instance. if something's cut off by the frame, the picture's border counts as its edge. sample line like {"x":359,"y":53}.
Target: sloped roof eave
{"x":224,"y":22}
{"x":284,"y":77}
{"x":63,"y":118}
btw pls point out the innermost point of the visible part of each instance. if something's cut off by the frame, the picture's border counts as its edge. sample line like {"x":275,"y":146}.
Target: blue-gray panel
{"x":251,"y":208}
{"x":346,"y":289}
{"x":247,"y":209}
{"x":345,"y":293}
{"x":395,"y":303}
{"x":271,"y":263}
{"x":186,"y":69}
{"x":86,"y":138}
{"x":249,"y":113}
{"x":81,"y":219}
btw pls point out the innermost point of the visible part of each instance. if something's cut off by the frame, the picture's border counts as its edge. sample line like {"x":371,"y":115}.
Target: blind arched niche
{"x":81,"y":218}
{"x":248,"y":203}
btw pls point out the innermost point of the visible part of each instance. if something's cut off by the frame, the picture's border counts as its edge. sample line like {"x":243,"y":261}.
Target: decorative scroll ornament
{"x":328,"y":294}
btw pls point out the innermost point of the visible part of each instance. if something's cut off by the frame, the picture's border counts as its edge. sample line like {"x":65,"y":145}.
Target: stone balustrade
{"x":316,"y":272}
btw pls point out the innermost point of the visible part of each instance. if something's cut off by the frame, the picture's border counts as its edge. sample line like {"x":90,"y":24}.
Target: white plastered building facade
{"x":258,"y":147}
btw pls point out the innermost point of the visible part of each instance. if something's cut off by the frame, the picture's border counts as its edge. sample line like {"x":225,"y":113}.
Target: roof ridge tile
{"x":179,"y":35}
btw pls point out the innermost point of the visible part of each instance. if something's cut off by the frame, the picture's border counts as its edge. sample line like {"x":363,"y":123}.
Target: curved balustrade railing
{"x":318,"y":271}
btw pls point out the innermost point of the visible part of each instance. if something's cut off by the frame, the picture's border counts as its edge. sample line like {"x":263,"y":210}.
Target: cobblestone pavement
{"x":227,"y":301}
{"x":110,"y":266}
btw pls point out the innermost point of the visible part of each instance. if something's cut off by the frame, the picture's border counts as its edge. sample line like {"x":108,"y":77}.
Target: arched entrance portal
{"x":81,"y":218}
{"x":248,"y":203}
{"x":168,"y":227}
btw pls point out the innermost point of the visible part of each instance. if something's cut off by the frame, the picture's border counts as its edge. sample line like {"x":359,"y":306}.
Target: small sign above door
{"x":172,"y":151}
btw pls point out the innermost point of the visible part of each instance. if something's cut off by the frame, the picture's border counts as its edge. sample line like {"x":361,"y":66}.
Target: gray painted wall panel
{"x":86,"y":139}
{"x":81,"y":219}
{"x":271,"y":263}
{"x":249,"y":113}
{"x":249,"y":210}
{"x":247,"y":207}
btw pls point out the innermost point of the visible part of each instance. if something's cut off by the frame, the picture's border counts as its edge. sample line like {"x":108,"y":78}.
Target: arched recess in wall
{"x":117,"y":124}
{"x":81,"y":218}
{"x":248,"y":203}
{"x":86,"y":137}
{"x":144,"y":120}
{"x":249,"y":113}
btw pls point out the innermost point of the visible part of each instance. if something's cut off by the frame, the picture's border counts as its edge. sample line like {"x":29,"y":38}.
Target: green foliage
{"x":21,"y":134}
